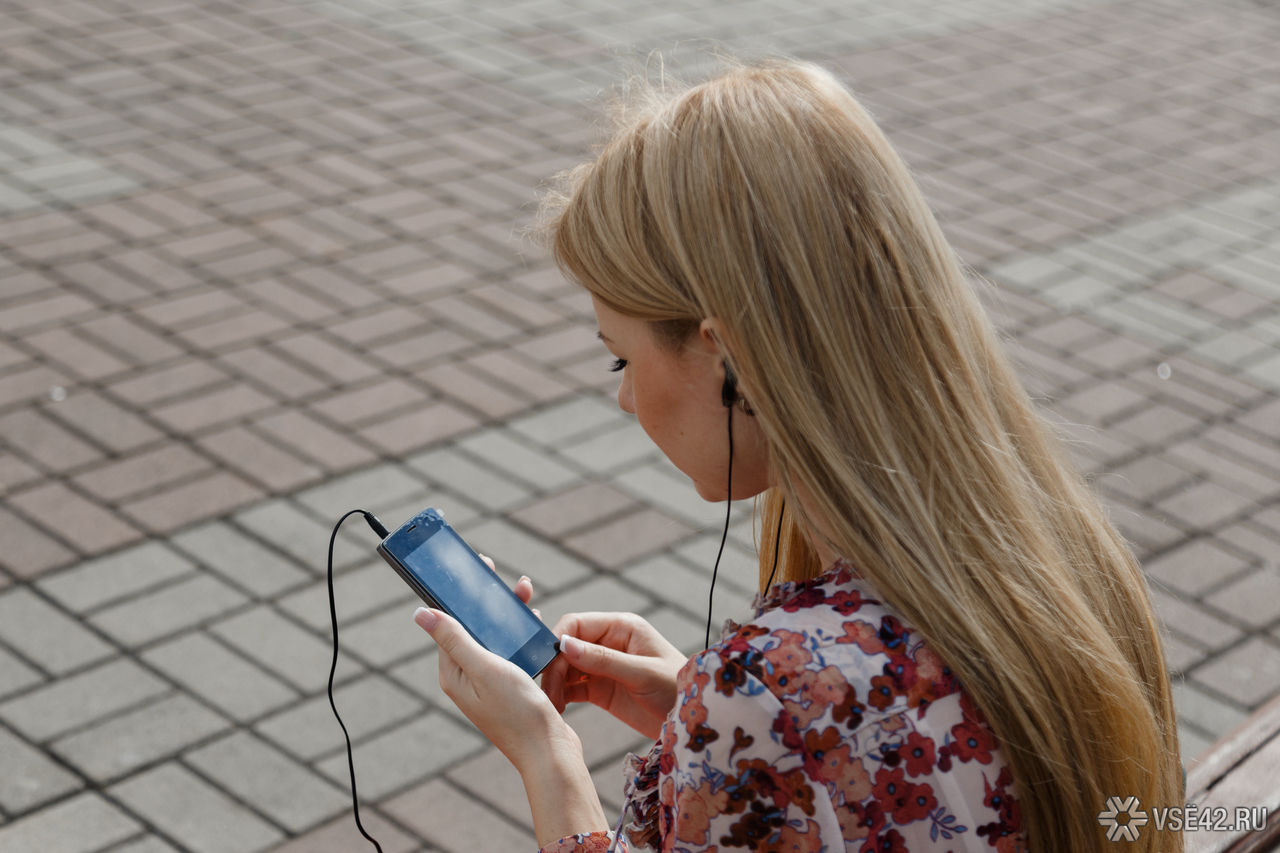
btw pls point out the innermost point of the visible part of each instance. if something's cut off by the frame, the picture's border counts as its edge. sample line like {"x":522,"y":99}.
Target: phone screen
{"x":471,"y":592}
{"x":435,"y":561}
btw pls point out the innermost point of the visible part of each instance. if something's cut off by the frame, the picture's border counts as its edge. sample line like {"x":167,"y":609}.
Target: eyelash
{"x":618,"y":364}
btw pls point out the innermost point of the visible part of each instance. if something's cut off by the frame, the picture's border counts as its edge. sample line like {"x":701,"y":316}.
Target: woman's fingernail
{"x":426,"y":618}
{"x":524,"y":578}
{"x":571,"y":646}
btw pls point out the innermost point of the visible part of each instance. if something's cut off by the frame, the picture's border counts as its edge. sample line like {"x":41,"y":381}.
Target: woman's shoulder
{"x":832,"y":640}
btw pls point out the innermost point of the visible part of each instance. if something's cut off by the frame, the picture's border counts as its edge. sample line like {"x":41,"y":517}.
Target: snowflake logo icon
{"x":1122,"y":818}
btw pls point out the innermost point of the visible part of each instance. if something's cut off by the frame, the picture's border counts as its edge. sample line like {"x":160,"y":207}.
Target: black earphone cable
{"x":777,"y":540}
{"x":379,"y":529}
{"x":728,"y":508}
{"x":777,"y":536}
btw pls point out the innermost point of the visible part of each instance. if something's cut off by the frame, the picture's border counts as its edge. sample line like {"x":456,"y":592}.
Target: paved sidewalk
{"x":260,"y":263}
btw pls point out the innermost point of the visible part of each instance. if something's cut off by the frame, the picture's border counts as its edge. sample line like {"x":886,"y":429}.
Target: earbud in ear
{"x":729,"y":390}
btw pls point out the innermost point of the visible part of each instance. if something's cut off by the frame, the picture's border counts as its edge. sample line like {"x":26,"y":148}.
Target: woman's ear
{"x":708,"y":337}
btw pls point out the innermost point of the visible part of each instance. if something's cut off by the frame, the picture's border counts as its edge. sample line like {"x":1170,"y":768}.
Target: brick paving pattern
{"x":261,"y":263}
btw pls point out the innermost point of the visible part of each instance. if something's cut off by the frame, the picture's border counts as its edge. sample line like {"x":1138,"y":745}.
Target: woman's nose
{"x":626,"y":401}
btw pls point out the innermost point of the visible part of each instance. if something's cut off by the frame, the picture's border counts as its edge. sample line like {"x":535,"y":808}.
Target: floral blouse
{"x":823,"y":725}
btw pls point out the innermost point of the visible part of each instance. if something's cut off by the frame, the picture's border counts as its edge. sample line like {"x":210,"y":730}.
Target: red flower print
{"x":701,"y":737}
{"x":906,"y":801}
{"x":890,"y":842}
{"x":972,"y":742}
{"x":918,"y":754}
{"x":784,"y":662}
{"x":596,"y":842}
{"x":730,"y":676}
{"x":890,"y":784}
{"x":692,"y":712}
{"x":864,"y":635}
{"x":848,"y":710}
{"x":854,"y":782}
{"x":845,"y":601}
{"x":807,"y":840}
{"x":816,"y":747}
{"x":915,"y":804}
{"x":882,"y":692}
{"x":697,"y":806}
{"x":902,"y":670}
{"x":741,"y":741}
{"x":811,"y":597}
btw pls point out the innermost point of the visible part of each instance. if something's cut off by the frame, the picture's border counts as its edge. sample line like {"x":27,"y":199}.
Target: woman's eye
{"x":618,"y":364}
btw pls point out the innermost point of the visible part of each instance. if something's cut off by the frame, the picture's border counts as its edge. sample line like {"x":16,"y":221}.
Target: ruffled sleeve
{"x":591,"y":842}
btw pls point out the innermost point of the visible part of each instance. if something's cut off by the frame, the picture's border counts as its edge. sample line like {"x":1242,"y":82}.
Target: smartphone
{"x":438,"y":565}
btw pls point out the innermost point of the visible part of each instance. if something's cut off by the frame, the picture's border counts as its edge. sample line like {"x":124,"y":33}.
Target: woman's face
{"x":675,"y":394}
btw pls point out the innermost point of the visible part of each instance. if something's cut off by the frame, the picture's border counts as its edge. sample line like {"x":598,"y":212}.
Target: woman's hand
{"x":497,"y":696}
{"x":507,"y":706}
{"x":619,"y":662}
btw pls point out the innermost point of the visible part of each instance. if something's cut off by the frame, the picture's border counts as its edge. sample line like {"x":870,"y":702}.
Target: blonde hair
{"x":767,"y":197}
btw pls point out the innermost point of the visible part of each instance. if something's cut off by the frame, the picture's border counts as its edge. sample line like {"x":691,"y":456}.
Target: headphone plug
{"x":377,"y":526}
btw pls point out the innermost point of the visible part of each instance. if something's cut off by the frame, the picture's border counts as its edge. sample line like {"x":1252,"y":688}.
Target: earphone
{"x":730,"y":398}
{"x":729,"y":395}
{"x":729,"y":392}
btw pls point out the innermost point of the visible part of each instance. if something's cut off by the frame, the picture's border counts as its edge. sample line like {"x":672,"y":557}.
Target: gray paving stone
{"x":240,"y":559}
{"x":620,"y":446}
{"x":299,"y":535}
{"x":683,"y":632}
{"x":78,"y":700}
{"x":615,"y":543}
{"x":1195,"y":568}
{"x":490,"y":778}
{"x":451,"y":820}
{"x":31,"y":778}
{"x":346,"y":288}
{"x":97,"y":582}
{"x":421,"y":674}
{"x":599,"y":593}
{"x":277,"y":644}
{"x":221,"y":677}
{"x":1199,"y":626}
{"x":367,"y":704}
{"x":534,"y":467}
{"x":276,"y":785}
{"x":167,"y":610}
{"x":366,"y":488}
{"x":661,"y":485}
{"x":46,"y":636}
{"x":516,"y":552}
{"x":1192,"y":745}
{"x":387,"y":636}
{"x":85,"y":822}
{"x":1204,"y":505}
{"x":122,"y":744}
{"x":681,"y":585}
{"x":358,"y":593}
{"x":1250,"y":672}
{"x":560,"y":425}
{"x":193,"y":812}
{"x":14,"y":674}
{"x":405,"y":754}
{"x":1210,"y":715}
{"x":144,"y":845}
{"x":341,"y":836}
{"x":1251,"y":598}
{"x":472,"y":480}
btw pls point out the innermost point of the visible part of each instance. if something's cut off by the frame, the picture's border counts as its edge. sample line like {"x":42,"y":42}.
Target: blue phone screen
{"x":472,"y":593}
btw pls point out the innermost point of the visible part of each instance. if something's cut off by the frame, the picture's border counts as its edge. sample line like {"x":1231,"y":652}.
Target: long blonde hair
{"x":766,"y":197}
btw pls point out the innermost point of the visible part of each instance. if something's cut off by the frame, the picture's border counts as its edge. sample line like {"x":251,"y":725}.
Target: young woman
{"x":953,"y":649}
